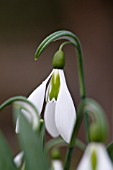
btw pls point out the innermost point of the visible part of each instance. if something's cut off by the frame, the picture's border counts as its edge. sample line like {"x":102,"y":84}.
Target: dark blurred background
{"x":24,"y":24}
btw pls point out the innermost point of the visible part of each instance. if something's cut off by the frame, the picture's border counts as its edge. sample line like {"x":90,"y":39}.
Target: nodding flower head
{"x":60,"y":114}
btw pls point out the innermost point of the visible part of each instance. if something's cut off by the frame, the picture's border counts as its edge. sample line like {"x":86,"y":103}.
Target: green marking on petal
{"x":54,"y":86}
{"x":94,"y":160}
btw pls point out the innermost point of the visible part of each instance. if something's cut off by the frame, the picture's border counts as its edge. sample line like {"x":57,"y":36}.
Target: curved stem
{"x":65,"y":43}
{"x":17,"y":99}
{"x":75,"y":41}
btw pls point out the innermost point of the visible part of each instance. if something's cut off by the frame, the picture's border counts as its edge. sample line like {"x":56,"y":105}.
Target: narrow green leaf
{"x":55,"y":36}
{"x":6,"y":158}
{"x":110,"y":150}
{"x":30,"y":143}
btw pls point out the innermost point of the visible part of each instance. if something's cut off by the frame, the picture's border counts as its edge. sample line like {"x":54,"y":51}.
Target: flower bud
{"x":56,"y":154}
{"x":58,"y":60}
{"x":97,"y":134}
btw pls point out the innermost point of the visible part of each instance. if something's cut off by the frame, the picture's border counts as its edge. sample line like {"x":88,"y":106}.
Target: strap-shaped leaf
{"x":56,"y":36}
{"x":30,"y":142}
{"x":6,"y":158}
{"x":110,"y":150}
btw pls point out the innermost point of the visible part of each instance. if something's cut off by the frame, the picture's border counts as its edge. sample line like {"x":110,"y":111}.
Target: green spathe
{"x":59,"y":60}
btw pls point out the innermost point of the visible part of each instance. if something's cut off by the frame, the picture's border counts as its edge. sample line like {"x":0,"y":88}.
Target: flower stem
{"x":83,"y":96}
{"x":65,"y":43}
{"x":73,"y":138}
{"x":77,"y":45}
{"x":81,"y":79}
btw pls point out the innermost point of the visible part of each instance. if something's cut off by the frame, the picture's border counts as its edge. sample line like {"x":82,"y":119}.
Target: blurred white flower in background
{"x":57,"y":165}
{"x":95,"y":158}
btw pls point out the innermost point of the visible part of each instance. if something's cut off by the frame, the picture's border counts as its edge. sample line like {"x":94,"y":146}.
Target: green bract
{"x":59,"y":60}
{"x":98,"y":133}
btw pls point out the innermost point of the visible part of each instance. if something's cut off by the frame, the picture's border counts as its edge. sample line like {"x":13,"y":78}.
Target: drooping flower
{"x":95,"y":158}
{"x":60,"y":114}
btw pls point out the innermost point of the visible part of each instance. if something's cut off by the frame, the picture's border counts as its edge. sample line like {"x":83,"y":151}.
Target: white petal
{"x":17,"y":129}
{"x":65,"y":114}
{"x":103,"y":160}
{"x":18,"y":159}
{"x":37,"y":96}
{"x":85,"y":163}
{"x":30,"y":115}
{"x":49,"y":117}
{"x":57,"y":165}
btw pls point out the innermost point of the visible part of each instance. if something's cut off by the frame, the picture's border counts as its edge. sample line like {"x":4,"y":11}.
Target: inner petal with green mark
{"x":94,"y":160}
{"x":54,"y":86}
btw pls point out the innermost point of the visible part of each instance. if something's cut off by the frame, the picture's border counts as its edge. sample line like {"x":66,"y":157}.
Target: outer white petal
{"x":103,"y":160}
{"x":18,"y":159}
{"x":65,"y":114}
{"x":49,"y":117}
{"x":57,"y":165}
{"x":30,"y":115}
{"x":37,"y":96}
{"x":85,"y":163}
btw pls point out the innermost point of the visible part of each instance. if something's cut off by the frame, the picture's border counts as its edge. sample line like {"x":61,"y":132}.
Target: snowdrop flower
{"x":95,"y":158}
{"x":60,"y":112}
